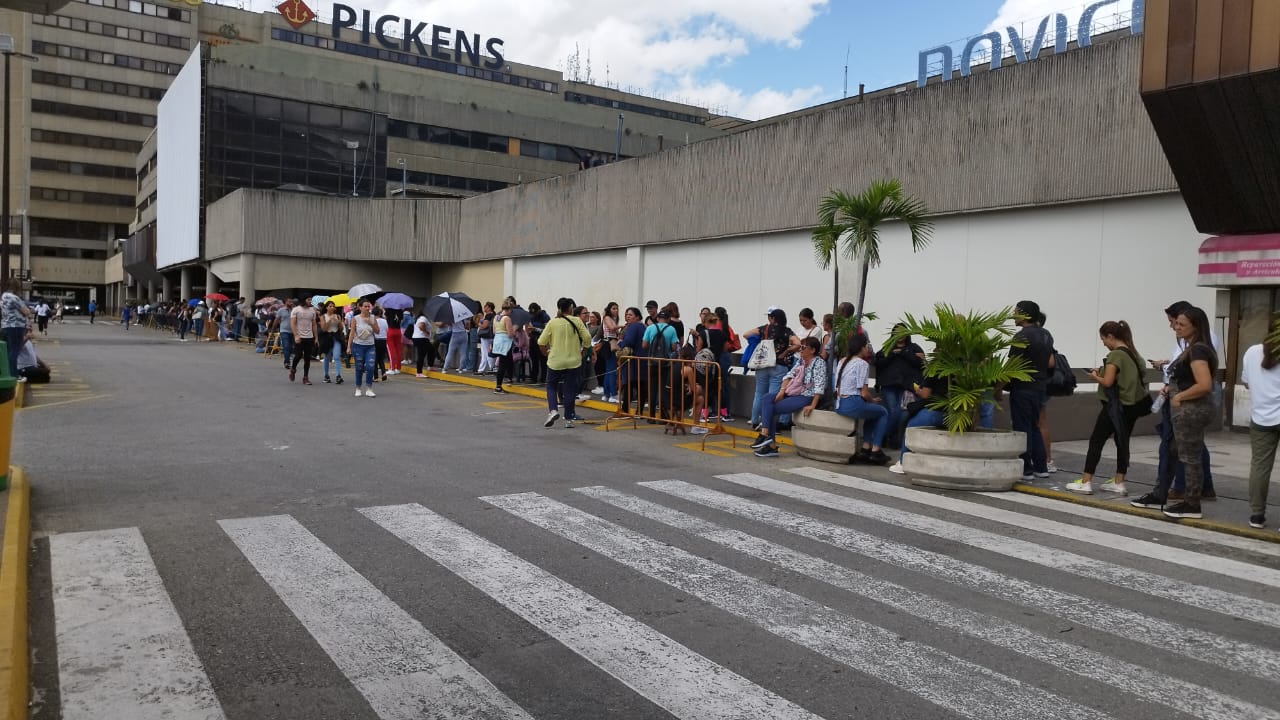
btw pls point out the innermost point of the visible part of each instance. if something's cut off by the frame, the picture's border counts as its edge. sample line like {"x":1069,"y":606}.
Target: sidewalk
{"x":1229,"y":460}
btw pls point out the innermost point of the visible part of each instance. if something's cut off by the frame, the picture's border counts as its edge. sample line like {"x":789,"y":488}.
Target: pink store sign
{"x":1258,"y":268}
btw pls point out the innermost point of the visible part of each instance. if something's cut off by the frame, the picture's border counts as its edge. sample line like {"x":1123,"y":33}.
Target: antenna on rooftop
{"x":846,"y":70}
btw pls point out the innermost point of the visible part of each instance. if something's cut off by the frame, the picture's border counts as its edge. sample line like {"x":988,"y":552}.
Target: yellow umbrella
{"x":342,"y":299}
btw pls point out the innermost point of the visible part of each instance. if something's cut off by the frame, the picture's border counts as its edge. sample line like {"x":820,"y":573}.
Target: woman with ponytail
{"x":1262,"y":376}
{"x":1124,"y":399}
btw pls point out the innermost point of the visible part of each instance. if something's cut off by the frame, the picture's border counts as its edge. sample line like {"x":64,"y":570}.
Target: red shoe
{"x":306,"y":381}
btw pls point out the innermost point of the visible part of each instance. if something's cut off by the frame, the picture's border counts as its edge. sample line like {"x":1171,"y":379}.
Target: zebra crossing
{"x":933,"y":605}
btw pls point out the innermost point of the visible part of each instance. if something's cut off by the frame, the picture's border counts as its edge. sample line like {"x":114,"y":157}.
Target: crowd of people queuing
{"x":577,"y":352}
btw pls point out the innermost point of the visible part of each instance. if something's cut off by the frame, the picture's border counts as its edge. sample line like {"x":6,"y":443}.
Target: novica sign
{"x":1021,"y":51}
{"x":439,"y":42}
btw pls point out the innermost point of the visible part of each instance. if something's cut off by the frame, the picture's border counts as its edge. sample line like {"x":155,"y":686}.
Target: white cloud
{"x":652,"y":44}
{"x":1025,"y":15}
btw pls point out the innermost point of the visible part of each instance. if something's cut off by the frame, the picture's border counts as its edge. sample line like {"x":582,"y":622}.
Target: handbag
{"x":501,"y":345}
{"x":763,"y":357}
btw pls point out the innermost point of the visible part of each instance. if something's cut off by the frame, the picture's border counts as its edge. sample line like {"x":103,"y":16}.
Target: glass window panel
{"x":546,"y":151}
{"x":268,"y":107}
{"x":328,"y":117}
{"x":293,"y":111}
{"x":355,"y":121}
{"x":267,"y":128}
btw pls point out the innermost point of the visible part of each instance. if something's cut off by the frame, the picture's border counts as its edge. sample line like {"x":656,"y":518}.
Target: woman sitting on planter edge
{"x":802,"y":388}
{"x":1124,"y":399}
{"x":854,"y":400}
{"x":920,"y":415}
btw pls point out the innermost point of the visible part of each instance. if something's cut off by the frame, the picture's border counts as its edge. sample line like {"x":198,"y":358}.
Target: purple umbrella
{"x":396,"y":301}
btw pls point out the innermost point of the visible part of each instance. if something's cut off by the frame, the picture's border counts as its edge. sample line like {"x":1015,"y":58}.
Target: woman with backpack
{"x":1124,"y":399}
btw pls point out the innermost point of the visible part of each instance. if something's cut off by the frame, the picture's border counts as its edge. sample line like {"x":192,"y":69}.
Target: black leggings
{"x":1103,"y":429}
{"x":305,"y":348}
{"x":505,"y":367}
{"x":380,"y":352}
{"x":425,"y":351}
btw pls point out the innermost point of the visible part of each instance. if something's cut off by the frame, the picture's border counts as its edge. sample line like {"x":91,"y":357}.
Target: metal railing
{"x":657,"y":390}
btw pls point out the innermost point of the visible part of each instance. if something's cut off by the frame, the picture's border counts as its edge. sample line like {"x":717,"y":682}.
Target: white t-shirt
{"x":816,"y":331}
{"x":382,"y":328}
{"x":42,"y":310}
{"x":853,"y":377}
{"x":422,"y":328}
{"x":1264,"y":388}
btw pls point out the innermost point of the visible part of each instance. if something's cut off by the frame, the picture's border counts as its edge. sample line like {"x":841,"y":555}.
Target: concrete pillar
{"x":151,"y":291}
{"x":166,"y":288}
{"x":184,"y":283}
{"x":210,"y":281}
{"x":248,"y":288}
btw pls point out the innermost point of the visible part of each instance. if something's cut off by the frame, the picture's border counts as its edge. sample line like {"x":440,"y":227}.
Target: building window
{"x":86,"y":169}
{"x":69,"y":52}
{"x":118,"y":32}
{"x":109,"y":87}
{"x":85,"y":112}
{"x":95,"y":142}
{"x":143,"y":8}
{"x":75,"y":229}
{"x":82,"y":198}
{"x":634,"y":108}
{"x":396,"y":176}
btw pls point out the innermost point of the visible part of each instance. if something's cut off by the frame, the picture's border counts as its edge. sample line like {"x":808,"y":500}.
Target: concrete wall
{"x":1063,"y":129}
{"x":481,"y":280}
{"x":71,"y":271}
{"x":273,"y":273}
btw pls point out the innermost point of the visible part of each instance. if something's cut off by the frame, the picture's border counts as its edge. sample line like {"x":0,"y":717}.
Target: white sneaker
{"x":369,"y":393}
{"x":552,"y":417}
{"x":598,"y":391}
{"x":1079,"y":486}
{"x":359,"y":392}
{"x":584,"y":396}
{"x":612,"y":399}
{"x":1051,"y":467}
{"x":1112,"y":486}
{"x":896,"y":468}
{"x":698,"y":430}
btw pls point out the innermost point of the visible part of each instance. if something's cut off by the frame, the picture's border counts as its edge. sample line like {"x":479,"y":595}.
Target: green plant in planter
{"x":972,"y":352}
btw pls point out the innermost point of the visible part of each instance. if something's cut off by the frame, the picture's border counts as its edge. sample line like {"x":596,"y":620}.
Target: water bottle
{"x":1157,"y":404}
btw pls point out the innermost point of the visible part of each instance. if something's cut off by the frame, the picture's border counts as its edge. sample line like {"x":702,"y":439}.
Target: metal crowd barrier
{"x":656,"y":389}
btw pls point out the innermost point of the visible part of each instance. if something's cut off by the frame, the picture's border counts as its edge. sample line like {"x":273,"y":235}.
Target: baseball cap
{"x":664,"y":314}
{"x":772,"y":309}
{"x":651,"y":304}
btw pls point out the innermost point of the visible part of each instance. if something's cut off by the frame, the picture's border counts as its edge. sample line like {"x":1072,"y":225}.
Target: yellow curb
{"x":542,"y":393}
{"x":20,"y":395}
{"x":13,"y":599}
{"x":1248,"y":532}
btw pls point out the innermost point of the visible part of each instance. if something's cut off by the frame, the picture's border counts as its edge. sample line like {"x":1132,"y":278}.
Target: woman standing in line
{"x":380,"y":344}
{"x":1122,"y":392}
{"x":785,"y":344}
{"x":485,"y":327}
{"x":1189,"y":395}
{"x":423,"y":344}
{"x":608,"y":364}
{"x":503,"y":337}
{"x":1262,"y":376}
{"x":360,"y":344}
{"x":395,"y":340}
{"x":331,"y":341}
{"x":197,"y":317}
{"x":184,"y":321}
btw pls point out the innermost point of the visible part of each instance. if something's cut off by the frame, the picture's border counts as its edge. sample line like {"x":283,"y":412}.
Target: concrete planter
{"x":824,"y":436}
{"x":983,"y":460}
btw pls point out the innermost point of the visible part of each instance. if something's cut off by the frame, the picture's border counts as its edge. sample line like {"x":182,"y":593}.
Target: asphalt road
{"x":214,"y":541}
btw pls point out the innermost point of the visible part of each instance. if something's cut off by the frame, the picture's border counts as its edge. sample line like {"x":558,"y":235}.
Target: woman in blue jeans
{"x":854,"y":400}
{"x":360,"y":344}
{"x":785,"y":345}
{"x":920,"y":415}
{"x":801,"y":389}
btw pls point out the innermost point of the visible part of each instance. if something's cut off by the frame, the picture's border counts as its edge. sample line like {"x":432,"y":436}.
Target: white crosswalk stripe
{"x":965,"y":688}
{"x":122,"y":650}
{"x":1096,"y":569}
{"x":1127,"y":677}
{"x":404,"y":671}
{"x":985,"y":636}
{"x":1197,"y":644}
{"x":670,"y":675}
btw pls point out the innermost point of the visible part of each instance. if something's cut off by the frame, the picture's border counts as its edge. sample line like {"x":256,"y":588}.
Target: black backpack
{"x":1062,"y":381}
{"x":660,"y":347}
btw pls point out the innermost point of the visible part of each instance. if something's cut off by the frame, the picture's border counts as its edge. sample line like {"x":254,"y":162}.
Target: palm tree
{"x":856,"y":220}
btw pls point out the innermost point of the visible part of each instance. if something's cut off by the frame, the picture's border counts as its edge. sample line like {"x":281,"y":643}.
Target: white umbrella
{"x":364,"y":289}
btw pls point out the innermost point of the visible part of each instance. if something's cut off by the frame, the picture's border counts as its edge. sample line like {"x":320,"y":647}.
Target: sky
{"x":746,"y":58}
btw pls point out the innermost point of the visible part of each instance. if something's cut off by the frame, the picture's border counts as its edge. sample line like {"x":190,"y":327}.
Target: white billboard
{"x":178,"y":168}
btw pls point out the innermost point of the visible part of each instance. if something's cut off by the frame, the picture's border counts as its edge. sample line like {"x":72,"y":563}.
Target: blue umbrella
{"x":396,"y":301}
{"x":193,"y":302}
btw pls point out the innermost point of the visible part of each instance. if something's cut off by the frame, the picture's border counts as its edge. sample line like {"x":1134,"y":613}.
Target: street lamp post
{"x":617,"y":148}
{"x":8,"y":49}
{"x":353,"y":146}
{"x":404,"y":177}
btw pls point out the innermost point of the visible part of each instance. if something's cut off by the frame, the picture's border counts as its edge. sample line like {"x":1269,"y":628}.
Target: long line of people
{"x":578,"y":353}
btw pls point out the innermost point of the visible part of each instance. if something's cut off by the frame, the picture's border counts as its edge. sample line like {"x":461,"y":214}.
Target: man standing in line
{"x":1027,"y":397}
{"x":93,"y":310}
{"x":283,"y":325}
{"x":1165,"y":427}
{"x":14,"y":316}
{"x":302,"y":324}
{"x":651,"y":313}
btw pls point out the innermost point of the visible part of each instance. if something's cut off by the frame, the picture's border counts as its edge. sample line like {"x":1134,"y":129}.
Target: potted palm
{"x":971,"y":353}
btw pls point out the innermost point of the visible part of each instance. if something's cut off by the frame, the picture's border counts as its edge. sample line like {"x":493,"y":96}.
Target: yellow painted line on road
{"x":1127,"y":509}
{"x":14,"y":670}
{"x":515,"y":404}
{"x":65,"y":402}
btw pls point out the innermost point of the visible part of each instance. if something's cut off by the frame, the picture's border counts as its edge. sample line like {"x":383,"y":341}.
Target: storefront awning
{"x":1232,"y":260}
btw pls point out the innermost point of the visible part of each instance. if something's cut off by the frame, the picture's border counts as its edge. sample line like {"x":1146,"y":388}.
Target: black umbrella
{"x":450,"y":308}
{"x":519,"y":317}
